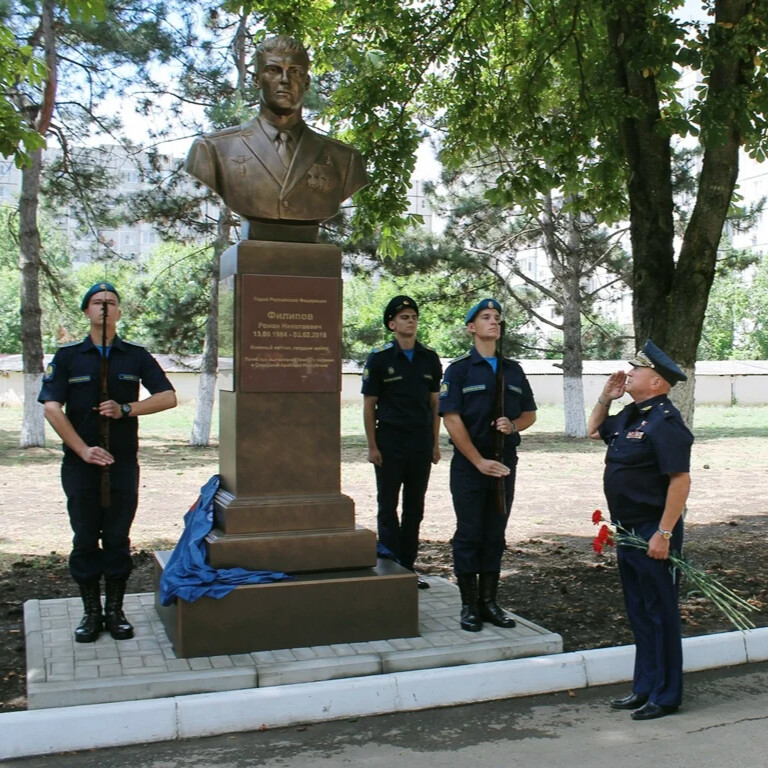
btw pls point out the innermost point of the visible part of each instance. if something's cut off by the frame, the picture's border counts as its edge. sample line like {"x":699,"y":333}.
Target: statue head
{"x":282,"y":75}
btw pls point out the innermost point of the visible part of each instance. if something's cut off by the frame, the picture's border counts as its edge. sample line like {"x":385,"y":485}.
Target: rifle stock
{"x":103,"y":396}
{"x":498,"y":412}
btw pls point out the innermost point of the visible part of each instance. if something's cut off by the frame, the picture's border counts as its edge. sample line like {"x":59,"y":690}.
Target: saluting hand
{"x":615,"y":386}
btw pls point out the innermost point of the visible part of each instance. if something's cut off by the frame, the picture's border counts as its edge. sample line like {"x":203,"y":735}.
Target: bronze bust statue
{"x":274,"y":169}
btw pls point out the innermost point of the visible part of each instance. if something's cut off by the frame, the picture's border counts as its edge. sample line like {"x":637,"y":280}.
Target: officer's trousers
{"x":651,"y":591}
{"x":101,"y":543}
{"x":478,"y":543}
{"x":406,"y":463}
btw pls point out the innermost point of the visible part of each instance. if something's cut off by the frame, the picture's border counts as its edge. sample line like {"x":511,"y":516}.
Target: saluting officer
{"x":71,"y":394}
{"x":467,"y":404}
{"x":401,"y":380}
{"x":646,"y":484}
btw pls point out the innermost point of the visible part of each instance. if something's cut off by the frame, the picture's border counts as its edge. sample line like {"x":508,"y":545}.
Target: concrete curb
{"x":46,"y":731}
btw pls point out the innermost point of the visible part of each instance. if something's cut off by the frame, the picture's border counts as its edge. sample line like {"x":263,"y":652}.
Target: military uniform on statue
{"x":279,"y":506}
{"x":76,"y":408}
{"x":401,"y":380}
{"x":466,"y":404}
{"x":646,"y":484}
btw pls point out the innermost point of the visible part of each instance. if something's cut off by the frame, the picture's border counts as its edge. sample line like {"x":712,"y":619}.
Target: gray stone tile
{"x":221,"y":662}
{"x":200,"y":662}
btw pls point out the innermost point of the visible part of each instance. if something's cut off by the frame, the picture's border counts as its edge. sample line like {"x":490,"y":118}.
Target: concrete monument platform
{"x":62,"y":673}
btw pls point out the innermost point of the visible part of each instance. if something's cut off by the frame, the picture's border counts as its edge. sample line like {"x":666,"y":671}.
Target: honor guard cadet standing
{"x":401,"y":381}
{"x":89,"y":403}
{"x":646,"y":484}
{"x":483,"y":487}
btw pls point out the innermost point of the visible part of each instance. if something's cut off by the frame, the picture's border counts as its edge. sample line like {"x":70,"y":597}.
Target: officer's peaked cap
{"x":482,"y":304}
{"x":398,"y":304}
{"x":650,"y":356}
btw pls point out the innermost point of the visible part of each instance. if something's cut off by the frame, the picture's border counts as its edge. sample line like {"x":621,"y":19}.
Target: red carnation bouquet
{"x":733,"y":607}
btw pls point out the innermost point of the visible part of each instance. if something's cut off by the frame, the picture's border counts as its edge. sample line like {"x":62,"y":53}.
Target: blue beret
{"x":650,"y":356}
{"x":98,"y":288}
{"x":484,"y":304}
{"x":398,"y":304}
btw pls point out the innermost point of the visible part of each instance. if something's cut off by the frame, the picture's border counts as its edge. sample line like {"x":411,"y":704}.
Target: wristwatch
{"x":665,"y":534}
{"x":125,"y":409}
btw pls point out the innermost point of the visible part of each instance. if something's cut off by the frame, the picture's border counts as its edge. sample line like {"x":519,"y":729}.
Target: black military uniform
{"x":468,"y":389}
{"x":73,"y":378}
{"x":647,"y":442}
{"x":405,"y":423}
{"x":101,"y":544}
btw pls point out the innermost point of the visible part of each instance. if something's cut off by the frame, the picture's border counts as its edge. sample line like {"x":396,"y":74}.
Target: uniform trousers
{"x":478,"y":543}
{"x":101,"y":542}
{"x":651,"y":589}
{"x":406,"y":463}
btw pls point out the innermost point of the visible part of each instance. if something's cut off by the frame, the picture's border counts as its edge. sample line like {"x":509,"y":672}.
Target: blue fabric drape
{"x":188,"y":574}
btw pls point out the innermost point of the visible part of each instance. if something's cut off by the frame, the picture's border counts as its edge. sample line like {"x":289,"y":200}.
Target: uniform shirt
{"x":646,"y":443}
{"x":73,"y":378}
{"x":402,"y":386}
{"x":469,"y":389}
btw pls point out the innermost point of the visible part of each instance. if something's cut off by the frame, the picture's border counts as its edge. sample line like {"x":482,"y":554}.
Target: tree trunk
{"x":33,"y":422}
{"x":206,"y":393}
{"x":669,"y":302}
{"x":649,"y":159}
{"x":573,"y":383}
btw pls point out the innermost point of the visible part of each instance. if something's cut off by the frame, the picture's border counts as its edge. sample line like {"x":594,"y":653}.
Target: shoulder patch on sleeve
{"x":445,"y":388}
{"x":50,"y":372}
{"x":382,"y":347}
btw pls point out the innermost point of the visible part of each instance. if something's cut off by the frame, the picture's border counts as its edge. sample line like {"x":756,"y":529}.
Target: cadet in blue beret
{"x":466,"y":403}
{"x":401,"y":380}
{"x":646,"y":484}
{"x":71,"y":394}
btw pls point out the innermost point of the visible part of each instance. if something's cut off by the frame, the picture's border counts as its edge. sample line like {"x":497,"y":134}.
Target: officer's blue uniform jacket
{"x":74,"y":378}
{"x":647,"y":442}
{"x":468,"y":389}
{"x":402,"y":386}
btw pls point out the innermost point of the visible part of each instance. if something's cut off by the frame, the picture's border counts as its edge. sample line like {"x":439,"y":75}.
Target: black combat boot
{"x":92,"y":622}
{"x":470,"y":620}
{"x":114,"y":618}
{"x":489,"y":608}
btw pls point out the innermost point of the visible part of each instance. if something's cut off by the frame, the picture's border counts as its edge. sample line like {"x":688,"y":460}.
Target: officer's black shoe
{"x":114,"y":618}
{"x":422,"y":583}
{"x":650,"y":711}
{"x":89,"y":628}
{"x":470,"y":619}
{"x":633,"y":701}
{"x":490,"y":610}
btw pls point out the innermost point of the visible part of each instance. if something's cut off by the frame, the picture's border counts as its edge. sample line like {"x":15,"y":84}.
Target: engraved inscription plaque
{"x":289,"y":334}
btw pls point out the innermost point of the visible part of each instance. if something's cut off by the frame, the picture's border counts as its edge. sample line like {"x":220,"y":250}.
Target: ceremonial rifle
{"x":103,"y":397}
{"x":498,"y":412}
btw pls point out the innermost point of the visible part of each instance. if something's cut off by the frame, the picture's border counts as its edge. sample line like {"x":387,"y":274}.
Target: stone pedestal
{"x":280,"y":505}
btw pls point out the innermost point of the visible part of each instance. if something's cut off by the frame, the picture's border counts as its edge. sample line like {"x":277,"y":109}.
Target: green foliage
{"x":735,"y":326}
{"x":443,"y":302}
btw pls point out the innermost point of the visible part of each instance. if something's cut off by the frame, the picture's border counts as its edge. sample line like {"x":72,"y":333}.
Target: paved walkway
{"x":62,"y":673}
{"x":724,"y":724}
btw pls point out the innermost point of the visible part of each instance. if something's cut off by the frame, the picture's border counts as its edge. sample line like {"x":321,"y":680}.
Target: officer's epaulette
{"x":382,"y":347}
{"x":667,"y":409}
{"x":461,"y":357}
{"x":427,"y":347}
{"x":132,"y":343}
{"x":70,"y":344}
{"x":223,"y":132}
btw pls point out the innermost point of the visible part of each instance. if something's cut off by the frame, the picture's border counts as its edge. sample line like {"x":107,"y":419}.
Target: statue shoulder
{"x":224,"y":133}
